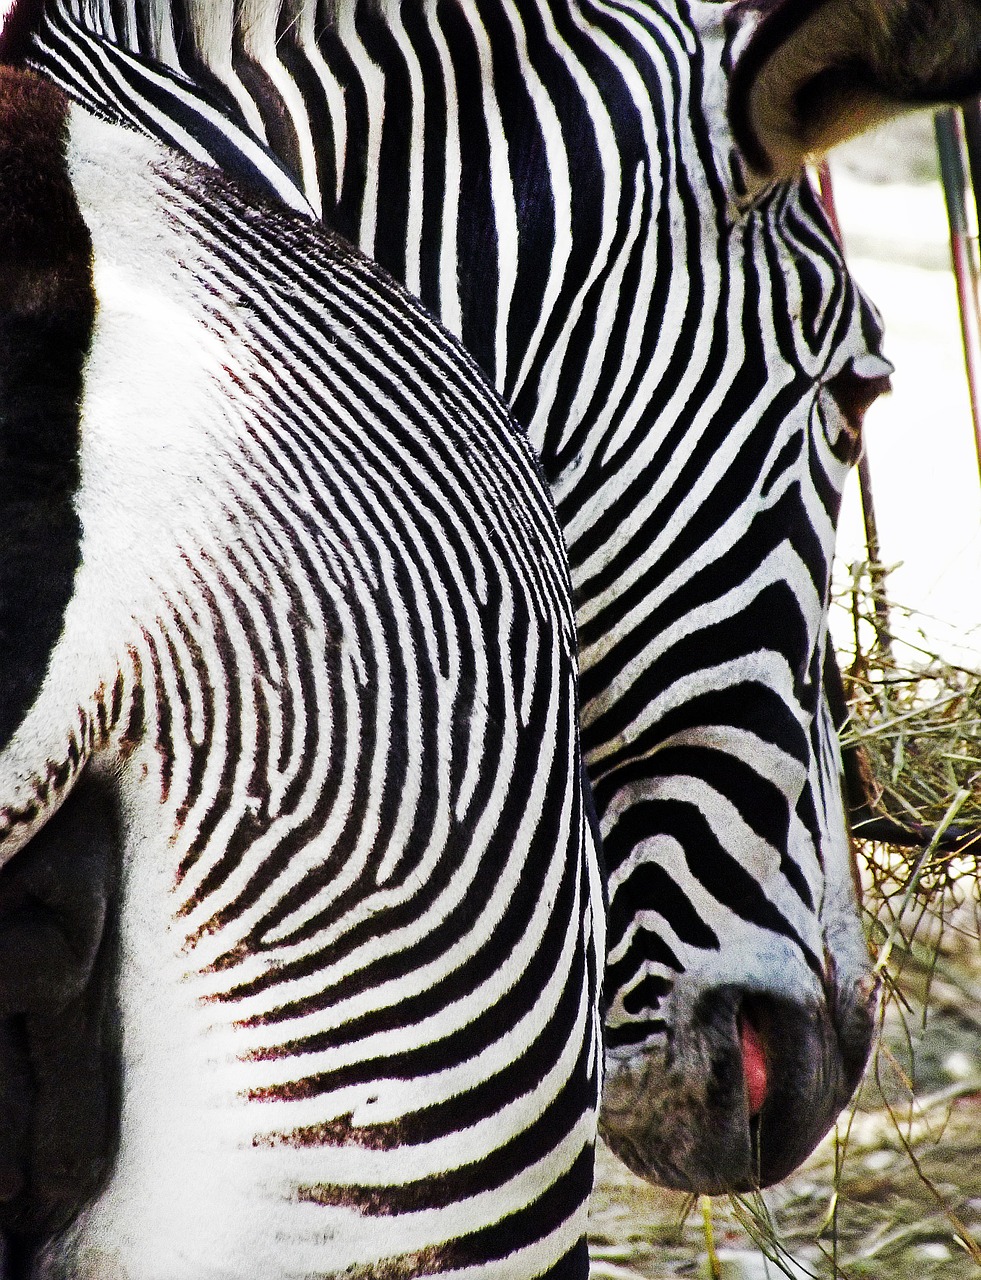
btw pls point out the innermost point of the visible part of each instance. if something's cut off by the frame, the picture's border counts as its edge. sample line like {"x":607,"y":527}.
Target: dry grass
{"x":916,"y":725}
{"x":901,"y":1168}
{"x":915,"y":732}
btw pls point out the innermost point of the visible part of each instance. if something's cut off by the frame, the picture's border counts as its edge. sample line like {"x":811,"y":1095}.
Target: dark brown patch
{"x":340,"y":1132}
{"x":816,"y":72}
{"x":18,"y":27}
{"x":45,"y":248}
{"x":47,"y":311}
{"x":58,"y":1050}
{"x":424,"y":1262}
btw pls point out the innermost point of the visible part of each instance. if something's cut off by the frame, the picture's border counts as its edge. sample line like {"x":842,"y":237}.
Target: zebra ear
{"x":816,"y":72}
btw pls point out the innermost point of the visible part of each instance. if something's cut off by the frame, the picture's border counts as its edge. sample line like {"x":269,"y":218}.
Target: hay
{"x":915,"y":728}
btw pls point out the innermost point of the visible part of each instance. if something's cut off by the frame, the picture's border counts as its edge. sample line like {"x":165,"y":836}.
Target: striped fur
{"x":320,"y":646}
{"x":559,"y":183}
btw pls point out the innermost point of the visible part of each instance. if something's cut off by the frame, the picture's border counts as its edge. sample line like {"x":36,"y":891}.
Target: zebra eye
{"x":861,"y":381}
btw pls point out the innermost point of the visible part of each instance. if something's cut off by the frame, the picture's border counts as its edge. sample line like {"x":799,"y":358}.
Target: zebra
{"x":309,"y":661}
{"x":605,"y":202}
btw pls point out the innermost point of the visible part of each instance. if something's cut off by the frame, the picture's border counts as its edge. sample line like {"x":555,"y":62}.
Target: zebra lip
{"x":755,"y":1066}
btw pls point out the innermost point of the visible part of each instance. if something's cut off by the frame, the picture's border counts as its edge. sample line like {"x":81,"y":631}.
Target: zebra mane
{"x":217,"y":27}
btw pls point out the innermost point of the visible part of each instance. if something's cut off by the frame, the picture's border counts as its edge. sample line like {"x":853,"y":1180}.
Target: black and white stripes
{"x":557,"y":181}
{"x":320,"y":640}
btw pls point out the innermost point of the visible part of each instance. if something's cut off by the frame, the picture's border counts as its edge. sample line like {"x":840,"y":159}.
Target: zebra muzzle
{"x":746,"y":1088}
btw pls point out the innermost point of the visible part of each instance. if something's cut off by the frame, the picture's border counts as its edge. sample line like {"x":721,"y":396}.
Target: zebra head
{"x":604,"y":202}
{"x":737,"y":976}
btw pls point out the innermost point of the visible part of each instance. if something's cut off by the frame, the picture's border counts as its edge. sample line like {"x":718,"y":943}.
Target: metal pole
{"x":971,"y":115}
{"x":950,"y":148}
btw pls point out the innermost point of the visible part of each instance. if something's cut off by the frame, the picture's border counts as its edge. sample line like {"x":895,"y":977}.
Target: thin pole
{"x":828,"y":200}
{"x":971,"y":115}
{"x":950,"y":148}
{"x":826,"y":190}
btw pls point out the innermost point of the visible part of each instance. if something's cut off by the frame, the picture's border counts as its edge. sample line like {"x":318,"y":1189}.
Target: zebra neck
{"x":453,"y":141}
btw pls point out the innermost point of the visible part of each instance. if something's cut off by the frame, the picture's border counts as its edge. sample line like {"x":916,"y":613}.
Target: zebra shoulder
{"x":814,"y":73}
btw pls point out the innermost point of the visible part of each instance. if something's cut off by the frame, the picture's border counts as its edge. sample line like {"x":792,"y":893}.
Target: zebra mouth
{"x":798,"y":1071}
{"x":801,"y":1066}
{"x":748,"y":1087}
{"x":755,"y":1069}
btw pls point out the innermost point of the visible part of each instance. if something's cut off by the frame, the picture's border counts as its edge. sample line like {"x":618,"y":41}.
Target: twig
{"x":715,"y":1266}
{"x":953,"y":809}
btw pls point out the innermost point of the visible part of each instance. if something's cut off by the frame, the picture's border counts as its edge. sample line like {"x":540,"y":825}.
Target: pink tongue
{"x":754,"y":1067}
